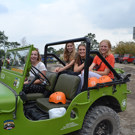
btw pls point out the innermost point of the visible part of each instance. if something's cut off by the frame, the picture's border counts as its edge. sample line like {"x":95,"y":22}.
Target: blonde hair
{"x":109,"y":46}
{"x":67,"y":55}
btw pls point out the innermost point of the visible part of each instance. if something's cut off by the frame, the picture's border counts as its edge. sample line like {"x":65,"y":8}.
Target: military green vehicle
{"x":94,"y":111}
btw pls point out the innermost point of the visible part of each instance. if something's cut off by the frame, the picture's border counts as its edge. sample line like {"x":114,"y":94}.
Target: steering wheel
{"x":43,"y":79}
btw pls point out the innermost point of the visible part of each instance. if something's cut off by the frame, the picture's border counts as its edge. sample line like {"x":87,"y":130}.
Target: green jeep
{"x":91,"y":112}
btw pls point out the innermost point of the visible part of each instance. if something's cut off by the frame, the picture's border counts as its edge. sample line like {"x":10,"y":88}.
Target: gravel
{"x":127,"y":118}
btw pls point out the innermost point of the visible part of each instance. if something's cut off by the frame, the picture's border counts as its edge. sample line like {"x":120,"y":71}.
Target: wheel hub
{"x":103,"y":128}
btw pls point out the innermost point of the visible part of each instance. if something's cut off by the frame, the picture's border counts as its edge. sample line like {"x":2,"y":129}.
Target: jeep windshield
{"x":15,"y":60}
{"x":15,"y":67}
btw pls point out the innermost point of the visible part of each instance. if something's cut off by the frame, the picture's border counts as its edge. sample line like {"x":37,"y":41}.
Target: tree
{"x":13,"y":45}
{"x":51,"y":50}
{"x":5,"y":44}
{"x":125,"y":48}
{"x":2,"y":53}
{"x":94,"y":43}
{"x":3,"y":40}
{"x":23,"y":41}
{"x":60,"y":51}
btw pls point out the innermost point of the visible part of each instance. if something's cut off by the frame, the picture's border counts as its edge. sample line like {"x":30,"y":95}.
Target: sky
{"x":45,"y":21}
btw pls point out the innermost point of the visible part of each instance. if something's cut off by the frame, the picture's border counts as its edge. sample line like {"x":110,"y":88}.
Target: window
{"x":15,"y":60}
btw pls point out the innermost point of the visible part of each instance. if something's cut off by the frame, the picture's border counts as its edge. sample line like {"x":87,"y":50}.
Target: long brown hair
{"x":39,"y":57}
{"x":109,"y":46}
{"x":67,"y":55}
{"x":78,"y":58}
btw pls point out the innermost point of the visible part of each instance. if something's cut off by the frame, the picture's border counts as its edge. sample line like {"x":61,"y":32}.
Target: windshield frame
{"x":9,"y":61}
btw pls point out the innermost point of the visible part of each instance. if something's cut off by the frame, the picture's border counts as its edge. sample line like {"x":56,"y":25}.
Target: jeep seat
{"x":52,"y":77}
{"x":65,"y":83}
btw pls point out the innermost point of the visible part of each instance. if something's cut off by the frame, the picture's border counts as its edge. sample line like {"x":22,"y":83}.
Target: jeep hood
{"x":7,"y":99}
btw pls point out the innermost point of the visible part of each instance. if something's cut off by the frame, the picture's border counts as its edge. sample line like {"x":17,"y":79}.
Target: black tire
{"x":101,"y":120}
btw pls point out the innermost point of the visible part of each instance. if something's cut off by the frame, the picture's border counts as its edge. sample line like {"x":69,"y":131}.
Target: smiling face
{"x":70,"y":47}
{"x":104,"y":48}
{"x":34,"y":56}
{"x":82,"y":51}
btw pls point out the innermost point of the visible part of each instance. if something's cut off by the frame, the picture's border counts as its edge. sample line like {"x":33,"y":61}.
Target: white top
{"x":40,"y":66}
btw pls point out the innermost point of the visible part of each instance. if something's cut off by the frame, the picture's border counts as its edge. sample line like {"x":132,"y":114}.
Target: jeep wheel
{"x":101,"y":120}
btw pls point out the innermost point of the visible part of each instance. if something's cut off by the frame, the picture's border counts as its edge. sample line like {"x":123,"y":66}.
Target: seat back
{"x":67,"y":84}
{"x":52,"y":77}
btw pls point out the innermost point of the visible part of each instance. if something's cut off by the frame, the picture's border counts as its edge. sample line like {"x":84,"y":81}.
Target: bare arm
{"x":67,"y":66}
{"x":105,"y":72}
{"x":78,"y":68}
{"x":38,"y":81}
{"x":92,"y":66}
{"x":57,"y":69}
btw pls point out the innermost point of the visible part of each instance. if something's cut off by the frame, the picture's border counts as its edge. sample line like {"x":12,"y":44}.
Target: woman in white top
{"x":37,"y":85}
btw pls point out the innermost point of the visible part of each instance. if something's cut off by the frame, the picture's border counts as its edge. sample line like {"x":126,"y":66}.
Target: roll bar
{"x":88,"y":52}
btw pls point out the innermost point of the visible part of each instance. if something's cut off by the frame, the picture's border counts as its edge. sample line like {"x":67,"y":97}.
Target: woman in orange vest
{"x":101,"y":68}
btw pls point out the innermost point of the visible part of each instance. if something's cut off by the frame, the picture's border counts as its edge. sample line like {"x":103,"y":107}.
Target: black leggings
{"x":34,"y":88}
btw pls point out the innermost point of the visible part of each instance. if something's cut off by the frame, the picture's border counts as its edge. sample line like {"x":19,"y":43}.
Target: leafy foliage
{"x":3,"y":40}
{"x":2,"y":53}
{"x":125,"y":48}
{"x":51,"y":50}
{"x":60,"y":51}
{"x":54,"y":51}
{"x":94,"y":43}
{"x":5,"y":44}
